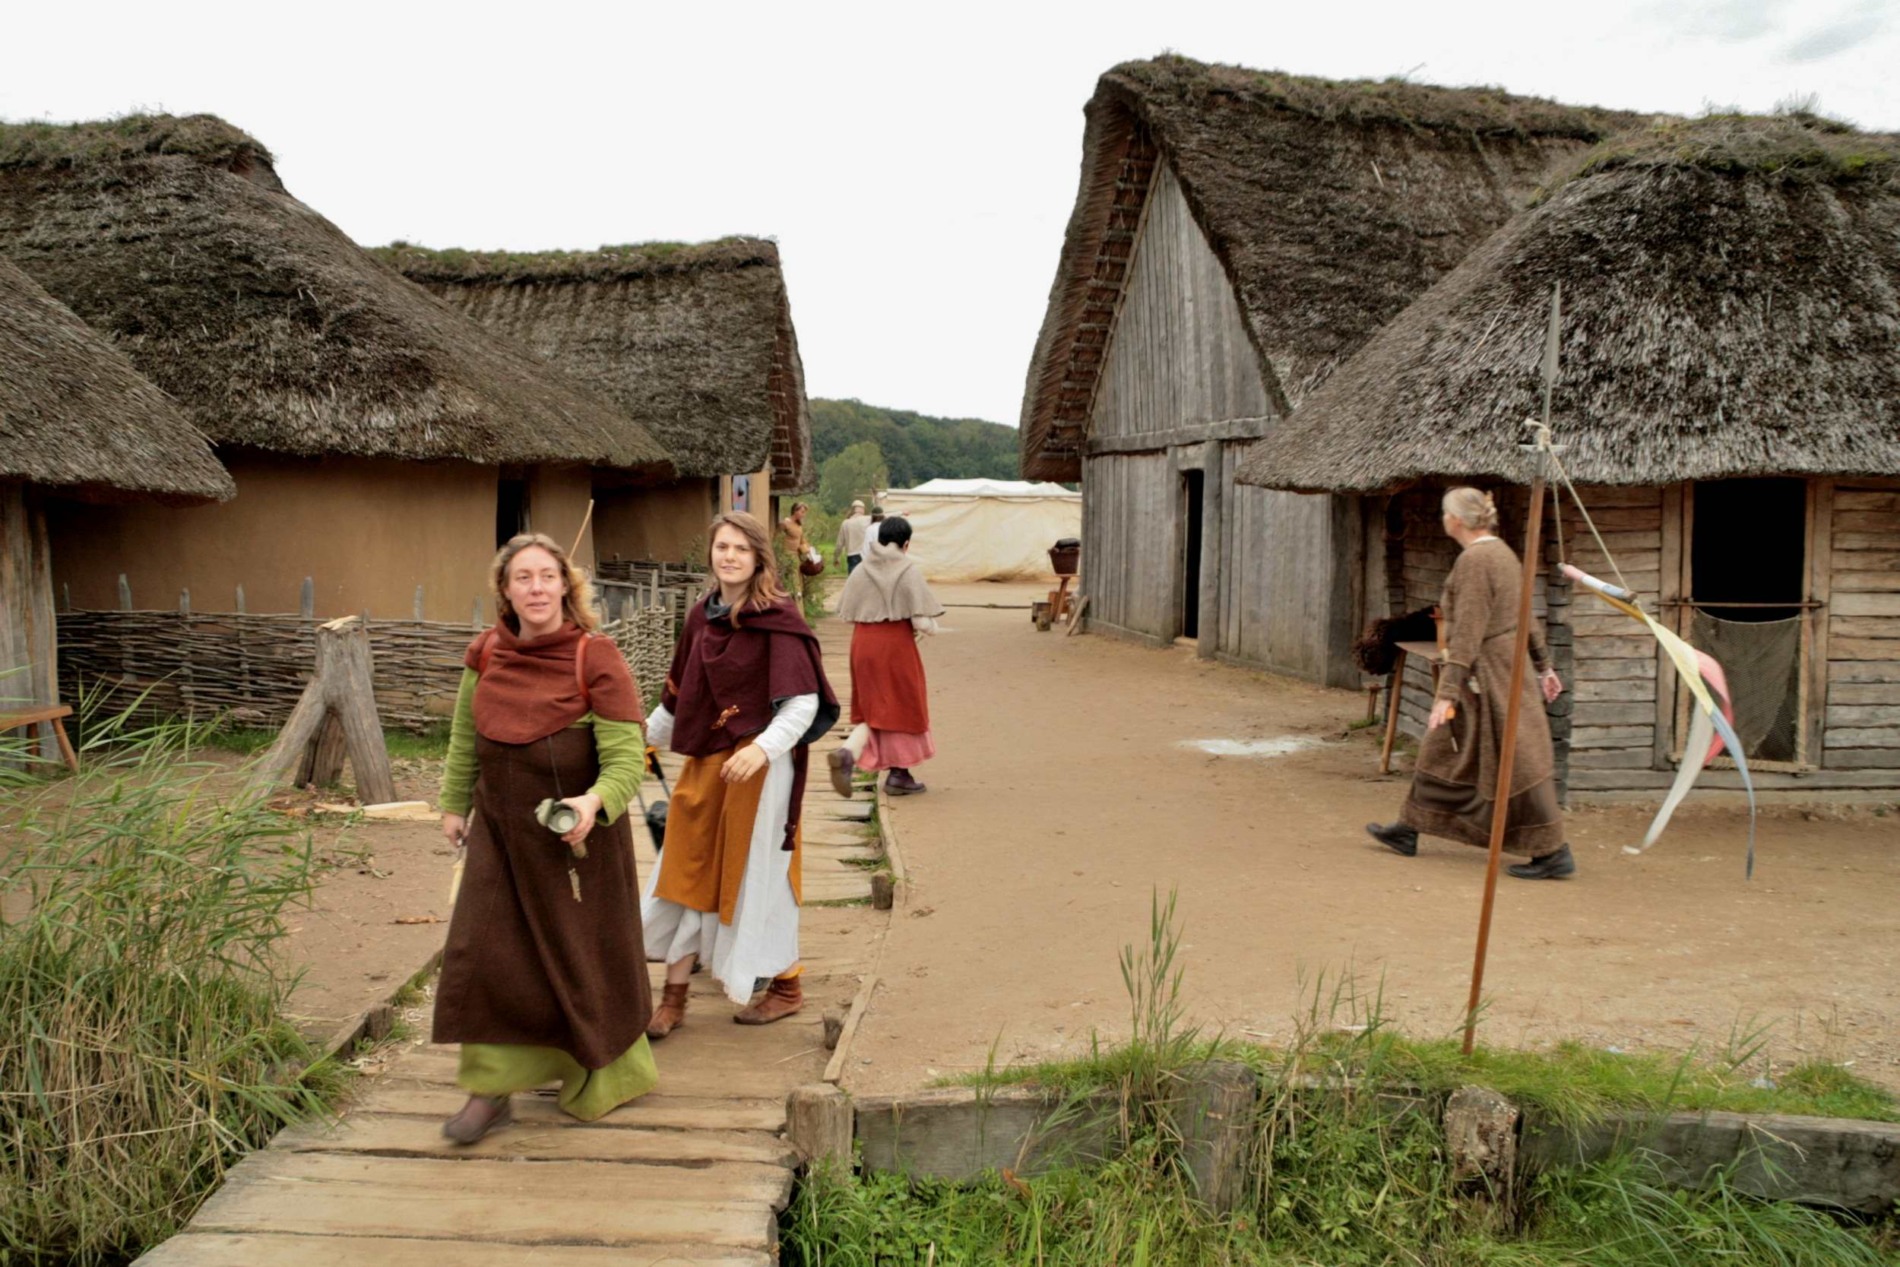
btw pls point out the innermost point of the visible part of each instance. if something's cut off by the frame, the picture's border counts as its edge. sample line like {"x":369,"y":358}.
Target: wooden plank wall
{"x":1131,"y":543}
{"x":1862,"y":720}
{"x":1179,"y":353}
{"x":1291,"y":601}
{"x":1614,"y":722}
{"x":28,"y":672}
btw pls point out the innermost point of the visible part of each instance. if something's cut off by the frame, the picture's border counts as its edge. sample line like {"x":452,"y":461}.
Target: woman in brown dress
{"x":544,"y":977}
{"x":1454,"y":784}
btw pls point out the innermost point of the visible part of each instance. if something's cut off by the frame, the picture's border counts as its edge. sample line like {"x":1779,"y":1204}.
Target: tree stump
{"x":819,"y":1122}
{"x":1215,"y":1118}
{"x":1481,"y":1138}
{"x":341,"y":695}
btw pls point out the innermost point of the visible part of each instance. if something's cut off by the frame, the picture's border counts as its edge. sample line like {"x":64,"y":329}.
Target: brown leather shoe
{"x":482,"y":1114}
{"x":671,"y":1013}
{"x":842,"y":764}
{"x":902,"y":783}
{"x":783,"y":997}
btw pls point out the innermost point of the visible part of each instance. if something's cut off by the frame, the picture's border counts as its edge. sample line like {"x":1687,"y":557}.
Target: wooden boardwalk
{"x":695,"y":1172}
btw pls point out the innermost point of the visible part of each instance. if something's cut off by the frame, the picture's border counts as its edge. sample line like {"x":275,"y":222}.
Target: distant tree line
{"x":915,"y":447}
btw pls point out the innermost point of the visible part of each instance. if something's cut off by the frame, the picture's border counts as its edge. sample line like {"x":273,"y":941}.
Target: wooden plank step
{"x":214,"y":1249}
{"x":438,"y":1101}
{"x":389,"y":1136}
{"x":562,"y":1202}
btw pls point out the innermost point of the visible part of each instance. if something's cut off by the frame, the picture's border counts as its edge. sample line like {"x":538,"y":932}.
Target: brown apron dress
{"x":526,"y":963}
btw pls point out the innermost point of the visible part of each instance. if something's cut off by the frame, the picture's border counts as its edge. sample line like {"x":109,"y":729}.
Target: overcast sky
{"x":916,"y":165}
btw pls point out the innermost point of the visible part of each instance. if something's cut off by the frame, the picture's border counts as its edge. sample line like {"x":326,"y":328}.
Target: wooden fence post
{"x":307,"y":599}
{"x":343,"y":689}
{"x":125,"y":593}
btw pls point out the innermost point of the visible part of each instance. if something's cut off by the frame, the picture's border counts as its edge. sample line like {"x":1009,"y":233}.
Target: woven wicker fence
{"x":251,"y":669}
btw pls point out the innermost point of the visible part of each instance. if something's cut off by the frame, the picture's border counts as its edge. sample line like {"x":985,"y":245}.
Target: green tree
{"x":856,"y":472}
{"x":916,"y":447}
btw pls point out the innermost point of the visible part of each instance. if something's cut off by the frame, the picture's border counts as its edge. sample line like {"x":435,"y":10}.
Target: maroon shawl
{"x":725,"y":680}
{"x":532,"y":688}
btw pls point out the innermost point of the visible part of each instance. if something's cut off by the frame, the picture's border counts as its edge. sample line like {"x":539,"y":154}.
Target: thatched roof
{"x":694,"y":342}
{"x":1330,"y":205}
{"x":1731,"y":307}
{"x":175,"y":239}
{"x":75,"y":414}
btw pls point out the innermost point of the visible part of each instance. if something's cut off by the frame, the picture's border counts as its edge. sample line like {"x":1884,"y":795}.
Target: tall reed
{"x":145,"y":1046}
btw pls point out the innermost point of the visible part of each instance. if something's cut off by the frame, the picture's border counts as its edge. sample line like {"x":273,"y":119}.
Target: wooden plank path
{"x":696,"y":1172}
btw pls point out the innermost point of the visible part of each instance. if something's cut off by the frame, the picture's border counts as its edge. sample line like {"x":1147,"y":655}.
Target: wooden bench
{"x":1396,"y":688}
{"x":56,"y":714}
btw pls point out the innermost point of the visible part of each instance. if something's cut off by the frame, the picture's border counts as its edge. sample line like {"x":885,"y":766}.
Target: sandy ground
{"x":1063,"y":799}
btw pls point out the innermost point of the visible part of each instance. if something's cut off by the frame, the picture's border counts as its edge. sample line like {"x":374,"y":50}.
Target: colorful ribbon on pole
{"x":1712,"y":726}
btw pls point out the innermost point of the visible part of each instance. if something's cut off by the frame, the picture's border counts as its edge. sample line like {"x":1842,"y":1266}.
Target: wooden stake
{"x":1520,"y":655}
{"x":342,"y":689}
{"x":1507,"y":753}
{"x":585,"y":520}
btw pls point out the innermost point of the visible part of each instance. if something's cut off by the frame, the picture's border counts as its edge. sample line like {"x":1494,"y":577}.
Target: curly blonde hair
{"x":1472,"y":507}
{"x":577,"y":604}
{"x":765,"y":589}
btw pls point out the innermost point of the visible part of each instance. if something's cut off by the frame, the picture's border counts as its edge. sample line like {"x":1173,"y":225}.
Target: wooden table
{"x":56,"y":714}
{"x":1397,"y":685}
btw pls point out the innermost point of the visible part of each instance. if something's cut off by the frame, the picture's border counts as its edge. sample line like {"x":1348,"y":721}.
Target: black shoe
{"x":1398,"y":839}
{"x":1552,"y":866}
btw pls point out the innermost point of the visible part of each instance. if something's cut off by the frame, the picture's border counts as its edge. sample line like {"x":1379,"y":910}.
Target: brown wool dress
{"x":525,"y":962}
{"x":1454,"y":788}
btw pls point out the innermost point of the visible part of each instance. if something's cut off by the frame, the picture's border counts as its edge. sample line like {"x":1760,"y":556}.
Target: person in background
{"x":791,"y":539}
{"x":544,"y":975}
{"x":851,"y":537}
{"x":744,"y":699}
{"x":891,"y":609}
{"x":1454,"y":784}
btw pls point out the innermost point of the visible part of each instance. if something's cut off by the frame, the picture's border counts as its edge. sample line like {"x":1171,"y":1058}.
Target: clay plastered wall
{"x":656,"y":524}
{"x":368,"y":531}
{"x":557,"y":506}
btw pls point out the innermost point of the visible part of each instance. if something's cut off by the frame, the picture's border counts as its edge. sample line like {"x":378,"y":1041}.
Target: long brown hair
{"x":765,"y":589}
{"x":577,"y":604}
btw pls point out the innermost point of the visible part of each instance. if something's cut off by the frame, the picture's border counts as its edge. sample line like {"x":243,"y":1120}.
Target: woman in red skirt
{"x":891,"y":609}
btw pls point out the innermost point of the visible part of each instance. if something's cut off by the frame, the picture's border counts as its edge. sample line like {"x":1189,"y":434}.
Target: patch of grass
{"x":247,"y":741}
{"x":146,"y":1045}
{"x":1339,"y":1173}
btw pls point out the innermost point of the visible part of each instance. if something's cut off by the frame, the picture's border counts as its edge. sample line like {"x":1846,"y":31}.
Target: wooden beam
{"x":343,"y":688}
{"x":1187,"y":434}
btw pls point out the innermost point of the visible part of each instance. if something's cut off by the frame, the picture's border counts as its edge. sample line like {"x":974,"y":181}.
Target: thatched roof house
{"x":320,"y":374}
{"x":1237,"y":234}
{"x":75,"y":416}
{"x":1730,"y":390}
{"x":76,"y":420}
{"x":693,"y":342}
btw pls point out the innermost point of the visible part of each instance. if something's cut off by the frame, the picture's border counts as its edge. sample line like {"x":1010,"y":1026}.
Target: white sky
{"x":916,"y":167}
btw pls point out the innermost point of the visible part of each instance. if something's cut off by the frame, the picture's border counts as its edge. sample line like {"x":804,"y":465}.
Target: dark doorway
{"x":1192,"y":488}
{"x":1748,"y":561}
{"x":511,"y":507}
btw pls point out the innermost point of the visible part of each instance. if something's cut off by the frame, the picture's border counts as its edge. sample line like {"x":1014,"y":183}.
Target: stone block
{"x":960,"y":1133}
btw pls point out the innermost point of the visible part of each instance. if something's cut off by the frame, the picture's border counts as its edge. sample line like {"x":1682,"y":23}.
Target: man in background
{"x":851,"y":537}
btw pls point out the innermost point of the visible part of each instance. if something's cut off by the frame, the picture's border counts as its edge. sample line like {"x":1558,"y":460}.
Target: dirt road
{"x":1063,"y":797}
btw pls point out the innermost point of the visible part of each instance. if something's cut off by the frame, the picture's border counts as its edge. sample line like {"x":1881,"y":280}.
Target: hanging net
{"x":1763,"y":659}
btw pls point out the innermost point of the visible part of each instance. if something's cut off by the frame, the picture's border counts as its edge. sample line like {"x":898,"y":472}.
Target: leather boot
{"x":671,"y":1013}
{"x":1397,"y":837}
{"x":482,"y":1114}
{"x":1552,"y":866}
{"x":783,"y":997}
{"x":842,"y":762}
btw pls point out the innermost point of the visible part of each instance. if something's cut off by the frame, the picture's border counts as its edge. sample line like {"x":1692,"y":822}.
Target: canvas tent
{"x":986,"y":530}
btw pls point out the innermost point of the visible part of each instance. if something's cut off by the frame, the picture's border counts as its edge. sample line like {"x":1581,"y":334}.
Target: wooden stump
{"x":1481,"y":1138}
{"x":819,"y":1122}
{"x":1216,"y":1114}
{"x":343,"y":693}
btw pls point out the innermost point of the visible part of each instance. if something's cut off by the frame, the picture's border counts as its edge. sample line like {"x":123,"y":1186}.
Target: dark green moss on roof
{"x":204,"y":137}
{"x":1787,"y":148}
{"x":609,"y":263}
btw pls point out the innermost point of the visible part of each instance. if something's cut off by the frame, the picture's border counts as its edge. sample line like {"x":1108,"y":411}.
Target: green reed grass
{"x":145,"y":1047}
{"x":1347,"y":1167}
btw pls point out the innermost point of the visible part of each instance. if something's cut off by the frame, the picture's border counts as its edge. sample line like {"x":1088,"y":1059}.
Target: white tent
{"x":985,"y":530}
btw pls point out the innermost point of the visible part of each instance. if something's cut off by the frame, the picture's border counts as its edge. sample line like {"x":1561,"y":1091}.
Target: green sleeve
{"x":458,"y":768}
{"x":622,"y":749}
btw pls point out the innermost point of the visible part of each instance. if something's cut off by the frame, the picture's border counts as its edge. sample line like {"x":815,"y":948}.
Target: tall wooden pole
{"x":1520,"y":656}
{"x":1507,"y":752}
